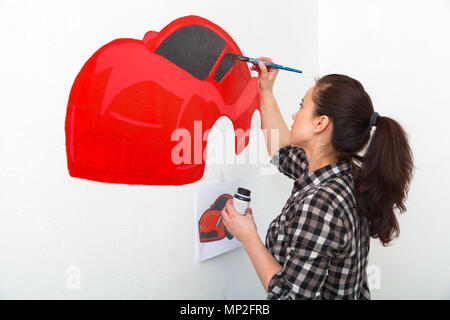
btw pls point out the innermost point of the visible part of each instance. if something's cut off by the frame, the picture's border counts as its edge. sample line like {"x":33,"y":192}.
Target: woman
{"x":317,"y":248}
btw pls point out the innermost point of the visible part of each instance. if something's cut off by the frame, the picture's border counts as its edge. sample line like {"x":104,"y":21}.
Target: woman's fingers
{"x":225,"y":216}
{"x":268,"y":60}
{"x":230,"y":209}
{"x":257,"y":67}
{"x":226,"y":211}
{"x":263,"y":69}
{"x":224,"y":222}
{"x":265,"y":59}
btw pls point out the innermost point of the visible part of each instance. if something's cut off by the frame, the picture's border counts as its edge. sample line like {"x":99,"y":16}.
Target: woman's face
{"x":303,"y":126}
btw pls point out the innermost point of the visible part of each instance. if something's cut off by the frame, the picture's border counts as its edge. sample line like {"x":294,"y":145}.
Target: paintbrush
{"x":256,"y":61}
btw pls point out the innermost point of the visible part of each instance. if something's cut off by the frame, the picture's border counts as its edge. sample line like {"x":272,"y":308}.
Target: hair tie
{"x":373,"y":120}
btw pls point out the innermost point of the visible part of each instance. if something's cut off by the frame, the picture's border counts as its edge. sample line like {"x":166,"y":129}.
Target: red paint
{"x":127,"y":100}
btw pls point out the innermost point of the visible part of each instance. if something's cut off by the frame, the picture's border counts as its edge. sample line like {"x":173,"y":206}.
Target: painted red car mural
{"x":210,"y":225}
{"x":131,"y":95}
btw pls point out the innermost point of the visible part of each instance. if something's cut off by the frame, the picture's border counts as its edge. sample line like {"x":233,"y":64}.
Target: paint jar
{"x":241,"y":200}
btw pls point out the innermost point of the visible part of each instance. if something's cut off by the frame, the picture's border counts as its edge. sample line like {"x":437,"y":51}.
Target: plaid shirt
{"x":319,"y":238}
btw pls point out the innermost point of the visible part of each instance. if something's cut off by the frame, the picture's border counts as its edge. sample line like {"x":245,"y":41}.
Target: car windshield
{"x":195,"y":49}
{"x":220,"y":204}
{"x":224,"y":65}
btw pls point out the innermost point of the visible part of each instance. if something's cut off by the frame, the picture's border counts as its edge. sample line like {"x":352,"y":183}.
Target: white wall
{"x":399,"y":51}
{"x":53,"y":226}
{"x":114,"y":234}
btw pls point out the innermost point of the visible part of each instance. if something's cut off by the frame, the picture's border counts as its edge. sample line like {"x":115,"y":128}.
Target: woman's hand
{"x":241,"y":227}
{"x":266,"y":76}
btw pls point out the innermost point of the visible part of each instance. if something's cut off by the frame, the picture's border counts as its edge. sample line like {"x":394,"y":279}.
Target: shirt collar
{"x":307,"y":181}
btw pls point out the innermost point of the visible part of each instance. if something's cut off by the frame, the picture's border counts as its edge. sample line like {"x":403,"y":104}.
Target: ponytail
{"x":382,"y":183}
{"x":384,"y":173}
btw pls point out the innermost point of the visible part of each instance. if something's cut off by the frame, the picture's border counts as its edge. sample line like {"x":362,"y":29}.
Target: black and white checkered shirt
{"x":319,"y":238}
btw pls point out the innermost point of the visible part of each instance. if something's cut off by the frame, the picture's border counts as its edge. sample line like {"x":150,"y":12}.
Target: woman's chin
{"x":292,"y":141}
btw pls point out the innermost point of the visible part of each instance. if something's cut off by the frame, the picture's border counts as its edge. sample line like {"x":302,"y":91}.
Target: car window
{"x":224,"y":66}
{"x":193,"y":48}
{"x":220,"y":204}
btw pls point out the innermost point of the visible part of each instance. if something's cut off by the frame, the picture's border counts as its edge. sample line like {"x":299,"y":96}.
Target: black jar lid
{"x":244,"y":192}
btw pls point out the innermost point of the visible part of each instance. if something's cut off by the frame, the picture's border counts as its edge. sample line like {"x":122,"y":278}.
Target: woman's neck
{"x":317,"y":160}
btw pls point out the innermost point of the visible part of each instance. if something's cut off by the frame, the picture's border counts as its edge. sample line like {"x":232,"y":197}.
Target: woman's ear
{"x":321,"y":123}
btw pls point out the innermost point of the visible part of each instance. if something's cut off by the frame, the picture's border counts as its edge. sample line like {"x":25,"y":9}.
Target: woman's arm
{"x":274,"y":127}
{"x":243,"y":228}
{"x":271,"y":122}
{"x":264,"y":263}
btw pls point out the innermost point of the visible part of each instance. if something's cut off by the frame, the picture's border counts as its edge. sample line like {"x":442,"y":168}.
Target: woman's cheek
{"x":299,"y":136}
{"x":295,"y":137}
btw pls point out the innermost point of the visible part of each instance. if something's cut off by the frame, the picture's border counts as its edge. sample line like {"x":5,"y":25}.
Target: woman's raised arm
{"x":274,"y":127}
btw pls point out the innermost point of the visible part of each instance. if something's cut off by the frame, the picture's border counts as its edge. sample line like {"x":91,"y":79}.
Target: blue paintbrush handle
{"x":273,"y":65}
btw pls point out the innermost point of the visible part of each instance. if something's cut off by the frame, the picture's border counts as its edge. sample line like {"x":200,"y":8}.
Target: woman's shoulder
{"x":332,"y":196}
{"x":291,"y":161}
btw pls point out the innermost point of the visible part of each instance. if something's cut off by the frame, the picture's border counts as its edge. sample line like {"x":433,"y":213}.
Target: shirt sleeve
{"x":314,"y":236}
{"x":291,"y":161}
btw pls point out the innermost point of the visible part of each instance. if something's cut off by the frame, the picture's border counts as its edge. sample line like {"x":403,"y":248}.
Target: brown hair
{"x":382,"y":175}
